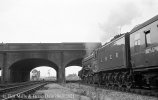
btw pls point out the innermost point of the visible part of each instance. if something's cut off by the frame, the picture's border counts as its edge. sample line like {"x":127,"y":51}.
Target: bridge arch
{"x":20,"y":70}
{"x":74,"y":62}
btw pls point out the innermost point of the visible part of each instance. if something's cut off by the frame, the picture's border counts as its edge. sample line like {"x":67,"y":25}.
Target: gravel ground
{"x":58,"y":92}
{"x":101,"y":94}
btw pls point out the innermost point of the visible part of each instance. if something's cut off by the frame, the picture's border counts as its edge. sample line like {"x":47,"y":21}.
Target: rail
{"x":16,"y":91}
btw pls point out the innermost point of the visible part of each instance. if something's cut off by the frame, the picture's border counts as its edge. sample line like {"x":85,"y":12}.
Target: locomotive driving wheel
{"x":128,"y":80}
{"x":104,"y":78}
{"x":115,"y":78}
{"x":99,"y":80}
{"x":120,"y":79}
{"x":109,"y":79}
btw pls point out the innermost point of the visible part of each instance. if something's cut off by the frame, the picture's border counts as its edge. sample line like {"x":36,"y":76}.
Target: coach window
{"x":101,"y":60}
{"x":116,"y":54}
{"x":110,"y":56}
{"x":106,"y":58}
{"x":0,"y":73}
{"x":137,"y":45}
{"x":137,"y":42}
{"x":147,"y":38}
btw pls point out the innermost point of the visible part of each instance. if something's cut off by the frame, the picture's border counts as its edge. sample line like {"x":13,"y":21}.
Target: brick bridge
{"x":18,"y":59}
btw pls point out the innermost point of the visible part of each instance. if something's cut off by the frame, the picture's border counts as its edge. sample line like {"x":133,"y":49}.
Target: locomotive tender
{"x":130,"y":60}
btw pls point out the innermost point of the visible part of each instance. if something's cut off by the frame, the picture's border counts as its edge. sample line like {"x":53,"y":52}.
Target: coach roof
{"x":155,"y":18}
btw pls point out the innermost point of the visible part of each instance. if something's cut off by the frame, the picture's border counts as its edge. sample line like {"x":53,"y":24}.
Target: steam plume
{"x":119,"y":17}
{"x":90,"y":47}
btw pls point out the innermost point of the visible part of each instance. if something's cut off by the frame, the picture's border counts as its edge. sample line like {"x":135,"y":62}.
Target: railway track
{"x":20,"y":91}
{"x":73,"y":81}
{"x":15,"y":84}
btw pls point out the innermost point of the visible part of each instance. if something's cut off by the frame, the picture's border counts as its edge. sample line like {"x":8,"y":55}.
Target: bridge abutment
{"x":61,"y":70}
{"x":61,"y":75}
{"x":5,"y":78}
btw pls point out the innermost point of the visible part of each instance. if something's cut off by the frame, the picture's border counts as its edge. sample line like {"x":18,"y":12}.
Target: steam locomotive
{"x":129,"y":60}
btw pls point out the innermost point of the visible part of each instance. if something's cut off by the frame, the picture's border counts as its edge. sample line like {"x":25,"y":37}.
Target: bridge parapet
{"x":46,"y":46}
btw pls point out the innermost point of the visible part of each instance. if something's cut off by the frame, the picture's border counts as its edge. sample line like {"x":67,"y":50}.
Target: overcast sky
{"x":26,"y":21}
